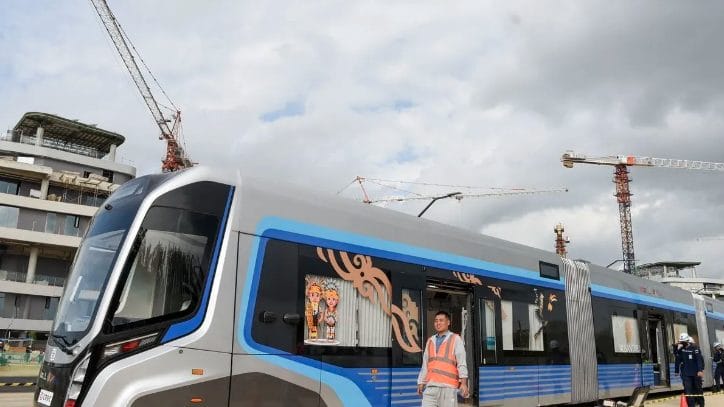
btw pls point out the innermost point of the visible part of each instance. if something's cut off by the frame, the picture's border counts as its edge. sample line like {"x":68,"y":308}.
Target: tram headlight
{"x":74,"y":391}
{"x":129,"y":345}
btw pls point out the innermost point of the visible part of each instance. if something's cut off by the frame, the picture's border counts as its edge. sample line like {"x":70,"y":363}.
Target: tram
{"x":212,"y":289}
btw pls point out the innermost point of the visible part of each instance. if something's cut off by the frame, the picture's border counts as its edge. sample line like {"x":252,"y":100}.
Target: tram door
{"x":458,"y":302}
{"x":657,"y":350}
{"x":489,"y":343}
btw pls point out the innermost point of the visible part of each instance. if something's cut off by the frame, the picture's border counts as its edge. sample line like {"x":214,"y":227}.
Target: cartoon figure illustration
{"x":311,"y":311}
{"x":331,"y":298}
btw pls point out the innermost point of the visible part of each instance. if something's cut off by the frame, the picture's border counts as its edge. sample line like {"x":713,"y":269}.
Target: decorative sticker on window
{"x":467,"y":278}
{"x":372,"y":284}
{"x":320,"y":310}
{"x":625,"y":334}
{"x":543,"y":307}
{"x":411,"y":309}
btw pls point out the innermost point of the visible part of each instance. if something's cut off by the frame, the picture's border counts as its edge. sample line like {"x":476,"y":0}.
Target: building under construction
{"x":682,"y":274}
{"x":54,"y":173}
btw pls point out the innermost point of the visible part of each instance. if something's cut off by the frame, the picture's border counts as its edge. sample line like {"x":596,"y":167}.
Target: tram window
{"x":549,"y":270}
{"x":719,"y":335}
{"x":678,"y":330}
{"x":411,"y":306}
{"x":522,"y":330}
{"x":335,"y":314}
{"x":487,"y":332}
{"x":167,"y":267}
{"x":625,"y":334}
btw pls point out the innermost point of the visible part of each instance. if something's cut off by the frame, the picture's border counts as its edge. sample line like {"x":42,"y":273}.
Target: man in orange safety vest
{"x":444,"y":368}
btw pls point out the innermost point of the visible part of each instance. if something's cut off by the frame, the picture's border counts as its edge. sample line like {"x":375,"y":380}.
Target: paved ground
{"x":26,"y":400}
{"x":17,"y":399}
{"x":19,"y":370}
{"x":712,"y":400}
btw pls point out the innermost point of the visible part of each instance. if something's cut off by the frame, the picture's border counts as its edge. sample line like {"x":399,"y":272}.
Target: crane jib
{"x":176,"y":157}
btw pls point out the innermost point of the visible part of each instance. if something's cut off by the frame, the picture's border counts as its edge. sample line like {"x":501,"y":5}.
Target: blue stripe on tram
{"x":628,"y":375}
{"x":511,"y":382}
{"x":403,"y":384}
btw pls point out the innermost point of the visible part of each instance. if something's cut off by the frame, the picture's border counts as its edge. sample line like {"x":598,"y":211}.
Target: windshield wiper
{"x":65,"y":345}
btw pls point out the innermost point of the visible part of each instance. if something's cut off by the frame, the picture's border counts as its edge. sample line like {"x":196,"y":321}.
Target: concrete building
{"x":682,"y":274}
{"x":54,"y":173}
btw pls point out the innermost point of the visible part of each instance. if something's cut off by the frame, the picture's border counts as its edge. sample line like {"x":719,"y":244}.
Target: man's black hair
{"x":447,"y":315}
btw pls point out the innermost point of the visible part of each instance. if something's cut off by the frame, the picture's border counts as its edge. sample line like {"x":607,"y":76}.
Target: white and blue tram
{"x":197,"y":288}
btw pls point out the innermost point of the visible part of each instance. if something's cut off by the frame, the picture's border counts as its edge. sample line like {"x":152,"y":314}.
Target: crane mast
{"x":623,"y":196}
{"x":175,"y":158}
{"x":623,"y":193}
{"x":561,"y":240}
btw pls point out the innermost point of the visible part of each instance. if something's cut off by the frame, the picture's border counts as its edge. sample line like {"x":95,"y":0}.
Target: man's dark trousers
{"x":719,"y":375}
{"x":693,"y":385}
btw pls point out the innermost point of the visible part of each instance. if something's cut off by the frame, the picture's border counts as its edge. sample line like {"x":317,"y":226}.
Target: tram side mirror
{"x":267,"y":317}
{"x":292,"y":319}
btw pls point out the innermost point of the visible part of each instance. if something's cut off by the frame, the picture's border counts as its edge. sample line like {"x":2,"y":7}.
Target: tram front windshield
{"x":94,"y":261}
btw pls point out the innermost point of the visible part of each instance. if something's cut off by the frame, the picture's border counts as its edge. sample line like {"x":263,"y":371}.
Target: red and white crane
{"x":175,"y":159}
{"x":623,"y":193}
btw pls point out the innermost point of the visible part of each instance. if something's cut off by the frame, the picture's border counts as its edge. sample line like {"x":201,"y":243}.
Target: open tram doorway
{"x":458,"y":302}
{"x":657,"y":350}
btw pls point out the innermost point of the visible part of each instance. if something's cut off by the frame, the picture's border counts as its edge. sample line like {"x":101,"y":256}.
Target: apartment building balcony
{"x":23,"y":324}
{"x":44,"y":286}
{"x":23,"y":236}
{"x":47,"y":205}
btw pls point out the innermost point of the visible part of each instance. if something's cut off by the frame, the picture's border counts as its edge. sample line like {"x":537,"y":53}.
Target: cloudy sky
{"x":470,"y":93}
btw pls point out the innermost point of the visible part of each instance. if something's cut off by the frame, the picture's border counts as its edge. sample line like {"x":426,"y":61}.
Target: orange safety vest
{"x":442,"y":366}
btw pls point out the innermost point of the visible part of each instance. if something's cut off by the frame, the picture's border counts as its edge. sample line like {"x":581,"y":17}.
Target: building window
{"x":108,"y":174}
{"x":71,"y":225}
{"x":91,"y":200}
{"x":9,"y":216}
{"x":51,"y":223}
{"x":9,"y":187}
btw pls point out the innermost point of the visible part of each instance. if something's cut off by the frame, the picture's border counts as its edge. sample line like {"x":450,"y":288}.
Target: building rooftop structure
{"x":64,"y":134}
{"x":682,"y":274}
{"x":54,"y":174}
{"x":665,"y":269}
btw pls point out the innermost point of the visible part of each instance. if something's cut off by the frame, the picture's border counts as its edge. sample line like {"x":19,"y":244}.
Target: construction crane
{"x":495,"y":191}
{"x":561,"y":241}
{"x":623,"y":193}
{"x":175,"y":159}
